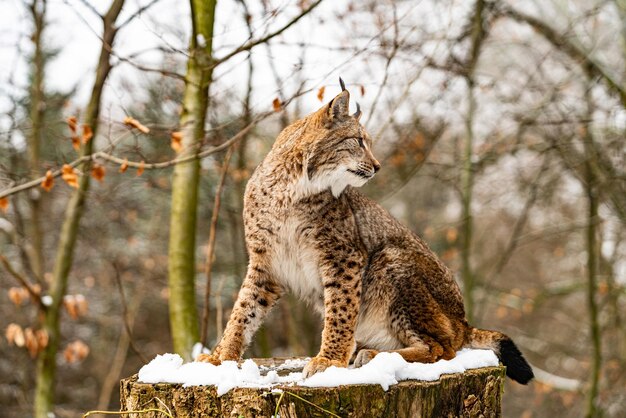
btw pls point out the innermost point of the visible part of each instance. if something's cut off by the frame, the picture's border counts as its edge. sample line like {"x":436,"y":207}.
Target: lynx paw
{"x":209,"y":358}
{"x":319,"y":364}
{"x":364,"y":357}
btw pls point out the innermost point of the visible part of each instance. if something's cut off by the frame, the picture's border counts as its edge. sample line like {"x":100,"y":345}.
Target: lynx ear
{"x":338,"y":108}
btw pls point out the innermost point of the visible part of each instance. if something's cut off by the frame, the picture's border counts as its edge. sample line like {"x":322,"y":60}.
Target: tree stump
{"x":475,"y":393}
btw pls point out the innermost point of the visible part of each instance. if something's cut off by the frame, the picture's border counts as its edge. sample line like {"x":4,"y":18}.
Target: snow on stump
{"x":474,"y":392}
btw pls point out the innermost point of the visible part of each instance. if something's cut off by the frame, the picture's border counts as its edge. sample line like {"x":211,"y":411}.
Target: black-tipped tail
{"x":517,"y":368}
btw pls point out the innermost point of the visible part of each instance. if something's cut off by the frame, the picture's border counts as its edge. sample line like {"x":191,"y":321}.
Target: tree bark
{"x":182,"y":242}
{"x":475,"y":393}
{"x":591,"y":189}
{"x":467,"y":174}
{"x":46,"y":364}
{"x":37,"y":109}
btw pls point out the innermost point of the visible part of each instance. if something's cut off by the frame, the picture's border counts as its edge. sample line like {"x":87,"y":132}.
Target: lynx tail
{"x":517,"y":368}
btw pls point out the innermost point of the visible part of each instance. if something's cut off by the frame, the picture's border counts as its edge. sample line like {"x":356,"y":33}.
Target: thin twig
{"x":251,"y":44}
{"x":211,"y":246}
{"x":101,"y":155}
{"x":137,"y":13}
{"x":24,"y":282}
{"x":125,"y":317}
{"x":311,"y":403}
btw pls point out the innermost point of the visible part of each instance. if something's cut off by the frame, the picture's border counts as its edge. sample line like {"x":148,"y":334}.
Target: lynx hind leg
{"x":420,"y":349}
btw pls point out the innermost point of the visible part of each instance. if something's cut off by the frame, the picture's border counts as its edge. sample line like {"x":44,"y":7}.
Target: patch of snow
{"x":289,"y":364}
{"x":385,"y":369}
{"x":46,"y":300}
{"x":198,"y":349}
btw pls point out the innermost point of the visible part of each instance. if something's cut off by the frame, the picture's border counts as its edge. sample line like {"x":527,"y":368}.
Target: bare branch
{"x":137,"y":13}
{"x":565,"y":45}
{"x":101,"y":155}
{"x":24,"y":282}
{"x":251,"y":44}
{"x":211,"y":246}
{"x":125,"y":315}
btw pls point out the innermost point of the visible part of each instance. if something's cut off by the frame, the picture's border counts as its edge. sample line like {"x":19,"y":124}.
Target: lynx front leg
{"x":258,"y":294}
{"x":342,"y":293}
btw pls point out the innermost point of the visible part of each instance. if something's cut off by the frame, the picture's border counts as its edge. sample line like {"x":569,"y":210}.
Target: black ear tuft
{"x":357,"y":114}
{"x":342,"y":84}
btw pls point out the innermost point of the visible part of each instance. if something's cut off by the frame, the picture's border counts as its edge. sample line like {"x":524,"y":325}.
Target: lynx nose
{"x":376,"y":165}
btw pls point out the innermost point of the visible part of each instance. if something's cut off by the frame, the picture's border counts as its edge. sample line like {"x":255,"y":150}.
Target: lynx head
{"x":338,"y":152}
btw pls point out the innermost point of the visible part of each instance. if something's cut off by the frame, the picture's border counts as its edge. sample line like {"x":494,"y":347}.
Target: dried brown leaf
{"x":48,"y":182}
{"x":31,"y":342}
{"x":87,"y":133}
{"x":98,"y":172}
{"x":81,"y":305}
{"x":75,"y":142}
{"x":124,"y":166}
{"x":42,"y":338}
{"x":277,"y":105}
{"x":141,"y":168}
{"x":69,"y":302}
{"x":177,"y":141}
{"x":76,"y":351}
{"x":69,"y":175}
{"x":18,"y":295}
{"x":72,"y":122}
{"x":4,"y":204}
{"x":134,"y":123}
{"x":320,"y":94}
{"x":452,"y":234}
{"x":15,"y":335}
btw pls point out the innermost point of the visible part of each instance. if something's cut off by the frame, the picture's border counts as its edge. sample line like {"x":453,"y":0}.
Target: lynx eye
{"x":361,"y":142}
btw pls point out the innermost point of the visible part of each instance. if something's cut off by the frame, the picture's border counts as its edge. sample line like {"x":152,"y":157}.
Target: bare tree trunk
{"x":37,"y":109}
{"x":182,"y":243}
{"x":467,"y":184}
{"x":592,"y":266}
{"x":467,"y":175}
{"x":46,"y":365}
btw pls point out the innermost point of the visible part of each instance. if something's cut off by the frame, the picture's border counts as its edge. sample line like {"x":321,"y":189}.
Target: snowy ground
{"x":385,"y":369}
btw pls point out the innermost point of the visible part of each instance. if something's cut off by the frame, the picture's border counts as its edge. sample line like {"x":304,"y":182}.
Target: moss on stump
{"x":475,"y":393}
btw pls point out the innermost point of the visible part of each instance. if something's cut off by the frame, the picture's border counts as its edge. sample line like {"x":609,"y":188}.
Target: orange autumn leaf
{"x":320,"y":93}
{"x":134,"y":123}
{"x":177,"y":141}
{"x":48,"y":182}
{"x":452,"y":235}
{"x":141,"y":168}
{"x":87,"y":133}
{"x":15,"y":335}
{"x":4,"y":204}
{"x":42,"y":338}
{"x":76,"y":351}
{"x":277,"y":105}
{"x":124,"y":166}
{"x":97,"y":172}
{"x":69,"y":175}
{"x":17,"y":295}
{"x":75,"y":142}
{"x":72,"y":123}
{"x":32,"y":344}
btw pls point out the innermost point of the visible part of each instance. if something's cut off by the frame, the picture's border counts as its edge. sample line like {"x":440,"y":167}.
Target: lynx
{"x":376,"y":284}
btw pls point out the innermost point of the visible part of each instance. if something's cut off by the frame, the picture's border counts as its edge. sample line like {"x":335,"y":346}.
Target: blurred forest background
{"x":500,"y":129}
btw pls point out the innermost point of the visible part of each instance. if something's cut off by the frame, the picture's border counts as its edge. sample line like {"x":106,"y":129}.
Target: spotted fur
{"x":376,"y":284}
